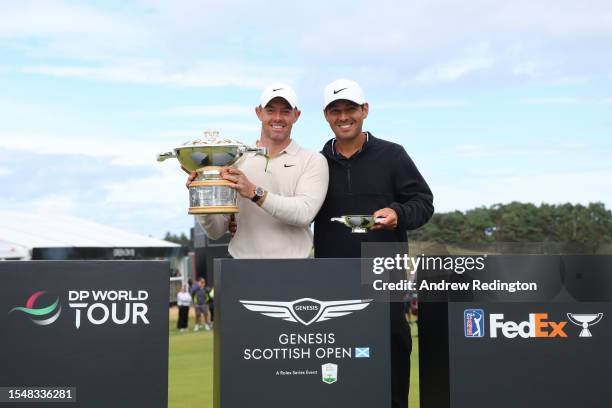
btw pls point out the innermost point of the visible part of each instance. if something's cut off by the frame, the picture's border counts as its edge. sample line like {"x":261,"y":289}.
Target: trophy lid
{"x":211,"y":138}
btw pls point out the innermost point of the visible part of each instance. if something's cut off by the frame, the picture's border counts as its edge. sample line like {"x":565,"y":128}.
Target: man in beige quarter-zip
{"x":279,"y":194}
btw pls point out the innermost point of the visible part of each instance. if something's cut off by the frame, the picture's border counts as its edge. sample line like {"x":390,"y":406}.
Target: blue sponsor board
{"x":473,"y":323}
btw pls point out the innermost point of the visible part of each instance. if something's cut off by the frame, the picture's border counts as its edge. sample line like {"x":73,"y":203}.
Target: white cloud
{"x":454,"y":70}
{"x":423,"y":104}
{"x":204,"y":74}
{"x":58,"y":18}
{"x":210,"y":110}
{"x":530,"y":69}
{"x":552,"y":100}
{"x":120,"y":150}
{"x":165,"y":188}
{"x":536,"y":188}
{"x":71,"y":29}
{"x":541,"y":148}
{"x":545,"y":38}
{"x":470,"y":150}
{"x":64,"y":203}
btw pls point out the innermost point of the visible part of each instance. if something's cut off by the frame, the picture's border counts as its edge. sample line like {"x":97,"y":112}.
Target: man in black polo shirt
{"x":368,"y":175}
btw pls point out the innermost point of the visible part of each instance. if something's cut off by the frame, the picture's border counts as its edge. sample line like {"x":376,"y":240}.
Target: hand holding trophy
{"x":209,"y":193}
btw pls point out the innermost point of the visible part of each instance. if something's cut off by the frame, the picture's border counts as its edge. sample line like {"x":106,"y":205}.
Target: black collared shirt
{"x":380,"y":175}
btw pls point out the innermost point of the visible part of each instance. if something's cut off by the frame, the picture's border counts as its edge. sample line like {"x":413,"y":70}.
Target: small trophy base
{"x":215,"y":209}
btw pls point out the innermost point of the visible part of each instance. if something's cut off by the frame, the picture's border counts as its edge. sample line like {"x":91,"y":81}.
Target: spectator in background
{"x":200,"y":300}
{"x":183,"y":301}
{"x":211,"y":305}
{"x":193,"y":286}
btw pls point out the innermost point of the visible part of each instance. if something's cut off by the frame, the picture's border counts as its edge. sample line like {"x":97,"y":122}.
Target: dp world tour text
{"x":121,"y":307}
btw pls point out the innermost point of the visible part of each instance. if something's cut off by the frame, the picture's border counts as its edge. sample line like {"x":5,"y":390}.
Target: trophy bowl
{"x":358,"y":223}
{"x":209,"y":193}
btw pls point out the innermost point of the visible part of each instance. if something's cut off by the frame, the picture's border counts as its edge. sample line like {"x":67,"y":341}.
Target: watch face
{"x":259,"y":191}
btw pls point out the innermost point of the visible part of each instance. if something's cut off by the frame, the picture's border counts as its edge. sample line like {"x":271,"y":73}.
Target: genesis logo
{"x":306,"y":310}
{"x":43,"y":314}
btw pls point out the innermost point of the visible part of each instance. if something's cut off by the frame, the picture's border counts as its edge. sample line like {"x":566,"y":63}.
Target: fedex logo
{"x":538,"y":326}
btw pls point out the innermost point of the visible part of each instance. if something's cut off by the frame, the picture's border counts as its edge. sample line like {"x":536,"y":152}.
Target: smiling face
{"x":345,"y":118}
{"x":277,"y":118}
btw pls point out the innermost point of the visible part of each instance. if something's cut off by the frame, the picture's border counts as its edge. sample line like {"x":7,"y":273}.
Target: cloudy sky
{"x":494,"y":101}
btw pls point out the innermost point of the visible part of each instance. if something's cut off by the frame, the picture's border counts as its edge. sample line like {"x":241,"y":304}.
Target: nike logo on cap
{"x":339,"y":90}
{"x":277,"y":89}
{"x":289,"y":165}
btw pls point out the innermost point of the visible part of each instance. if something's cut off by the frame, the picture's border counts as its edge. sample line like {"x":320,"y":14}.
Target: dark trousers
{"x":182,"y":317}
{"x":401,"y":347}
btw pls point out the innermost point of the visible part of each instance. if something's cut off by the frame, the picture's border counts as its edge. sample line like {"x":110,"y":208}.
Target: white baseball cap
{"x":344,"y":89}
{"x":278,"y":90}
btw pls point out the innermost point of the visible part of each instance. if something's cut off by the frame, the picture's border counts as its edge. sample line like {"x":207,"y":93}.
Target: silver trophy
{"x":585,"y":321}
{"x":209,"y":193}
{"x":359,"y":224}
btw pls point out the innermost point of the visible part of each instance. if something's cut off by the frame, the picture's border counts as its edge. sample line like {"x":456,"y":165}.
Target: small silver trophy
{"x":359,"y":224}
{"x":209,"y":193}
{"x":585,"y":321}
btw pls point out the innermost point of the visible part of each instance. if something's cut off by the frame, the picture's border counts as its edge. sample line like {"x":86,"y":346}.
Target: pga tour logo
{"x":473,"y":323}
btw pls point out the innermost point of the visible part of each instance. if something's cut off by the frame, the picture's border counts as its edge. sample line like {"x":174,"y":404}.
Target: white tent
{"x":12,"y":251}
{"x":21,"y":233}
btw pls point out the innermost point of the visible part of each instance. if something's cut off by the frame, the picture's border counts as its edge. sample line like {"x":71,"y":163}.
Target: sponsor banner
{"x":529,"y":354}
{"x":93,"y":332}
{"x":296,"y":333}
{"x":538,"y":325}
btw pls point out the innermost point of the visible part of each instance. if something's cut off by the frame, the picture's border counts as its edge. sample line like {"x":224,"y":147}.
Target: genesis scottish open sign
{"x":84,"y":334}
{"x":297,"y":333}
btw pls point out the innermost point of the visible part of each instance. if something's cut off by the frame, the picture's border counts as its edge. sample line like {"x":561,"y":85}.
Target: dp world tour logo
{"x":42,"y":316}
{"x":305,"y":310}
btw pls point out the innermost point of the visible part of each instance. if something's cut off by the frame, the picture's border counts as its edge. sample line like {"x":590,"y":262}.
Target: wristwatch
{"x":259,"y":192}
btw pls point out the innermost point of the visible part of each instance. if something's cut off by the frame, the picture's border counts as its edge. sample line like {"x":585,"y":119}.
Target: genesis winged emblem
{"x":306,"y":310}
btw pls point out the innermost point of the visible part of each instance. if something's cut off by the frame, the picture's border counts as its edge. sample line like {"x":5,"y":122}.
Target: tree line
{"x":585,"y":226}
{"x":589,"y":225}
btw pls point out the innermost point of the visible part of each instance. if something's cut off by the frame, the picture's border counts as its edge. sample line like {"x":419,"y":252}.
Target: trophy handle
{"x":163,"y":156}
{"x":257,"y":150}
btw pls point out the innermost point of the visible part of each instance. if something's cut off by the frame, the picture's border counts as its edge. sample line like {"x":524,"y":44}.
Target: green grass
{"x":190,"y":382}
{"x":190,"y":367}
